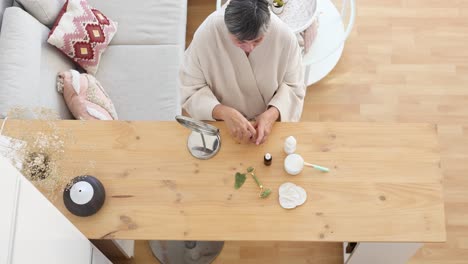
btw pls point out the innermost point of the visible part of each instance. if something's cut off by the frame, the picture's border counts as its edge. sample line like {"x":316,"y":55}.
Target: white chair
{"x":328,"y":45}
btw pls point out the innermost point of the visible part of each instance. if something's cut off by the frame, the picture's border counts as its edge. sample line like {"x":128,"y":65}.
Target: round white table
{"x":327,"y":48}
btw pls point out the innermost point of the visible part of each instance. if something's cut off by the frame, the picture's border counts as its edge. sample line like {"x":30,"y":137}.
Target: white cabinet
{"x":8,"y":198}
{"x":98,"y":257}
{"x":383,"y":253}
{"x":37,"y":232}
{"x":127,"y":247}
{"x":43,"y":234}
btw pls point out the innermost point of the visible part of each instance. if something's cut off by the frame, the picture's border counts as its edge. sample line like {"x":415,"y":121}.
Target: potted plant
{"x":277,"y":6}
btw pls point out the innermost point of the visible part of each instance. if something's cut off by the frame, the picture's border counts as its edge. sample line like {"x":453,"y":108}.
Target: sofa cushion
{"x":146,"y":22}
{"x":141,"y":80}
{"x":85,"y":97}
{"x":29,"y":65}
{"x":45,"y":11}
{"x":82,"y":33}
{"x":3,"y":5}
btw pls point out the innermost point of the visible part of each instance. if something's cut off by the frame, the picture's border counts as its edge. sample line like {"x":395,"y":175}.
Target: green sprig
{"x":240,"y":179}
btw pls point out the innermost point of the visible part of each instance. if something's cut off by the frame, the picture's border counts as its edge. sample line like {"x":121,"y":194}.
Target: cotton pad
{"x":291,"y":195}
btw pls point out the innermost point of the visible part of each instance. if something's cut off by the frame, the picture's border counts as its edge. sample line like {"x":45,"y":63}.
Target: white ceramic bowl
{"x":293,"y":164}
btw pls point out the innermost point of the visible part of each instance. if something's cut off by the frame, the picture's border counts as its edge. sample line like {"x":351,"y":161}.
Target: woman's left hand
{"x":264,"y":124}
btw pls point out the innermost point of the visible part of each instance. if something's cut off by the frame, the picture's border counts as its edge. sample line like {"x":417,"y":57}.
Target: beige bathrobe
{"x":215,"y":71}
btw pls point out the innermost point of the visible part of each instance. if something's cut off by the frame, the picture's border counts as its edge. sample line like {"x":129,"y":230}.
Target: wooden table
{"x":384,"y":184}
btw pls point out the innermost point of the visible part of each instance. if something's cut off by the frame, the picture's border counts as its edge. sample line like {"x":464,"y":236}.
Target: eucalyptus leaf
{"x":240,"y":179}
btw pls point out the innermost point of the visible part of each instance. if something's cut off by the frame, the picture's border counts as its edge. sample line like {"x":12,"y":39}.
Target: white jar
{"x":290,"y":145}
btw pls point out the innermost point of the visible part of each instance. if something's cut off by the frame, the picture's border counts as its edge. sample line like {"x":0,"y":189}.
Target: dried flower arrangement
{"x":36,"y":166}
{"x":44,"y":152}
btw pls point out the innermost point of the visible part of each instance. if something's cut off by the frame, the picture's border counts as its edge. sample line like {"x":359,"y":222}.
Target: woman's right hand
{"x":239,"y":127}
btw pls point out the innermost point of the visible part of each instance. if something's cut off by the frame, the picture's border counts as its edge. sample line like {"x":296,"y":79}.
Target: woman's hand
{"x":264,"y":124}
{"x":239,"y":127}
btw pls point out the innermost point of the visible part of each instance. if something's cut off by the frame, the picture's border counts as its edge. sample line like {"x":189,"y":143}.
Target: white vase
{"x":277,"y":10}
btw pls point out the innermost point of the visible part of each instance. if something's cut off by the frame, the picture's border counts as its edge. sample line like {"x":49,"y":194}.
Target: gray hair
{"x":247,"y":19}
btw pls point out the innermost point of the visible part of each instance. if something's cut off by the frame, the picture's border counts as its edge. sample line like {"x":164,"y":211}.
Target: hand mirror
{"x":204,"y":141}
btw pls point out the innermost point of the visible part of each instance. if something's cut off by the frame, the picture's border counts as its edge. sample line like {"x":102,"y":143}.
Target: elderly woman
{"x":243,"y":64}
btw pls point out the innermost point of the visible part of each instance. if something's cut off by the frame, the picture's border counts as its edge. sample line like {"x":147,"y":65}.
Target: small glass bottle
{"x":267,"y":159}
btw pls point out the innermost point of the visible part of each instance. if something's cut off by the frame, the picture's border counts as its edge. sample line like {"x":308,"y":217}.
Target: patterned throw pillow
{"x":82,"y":33}
{"x":85,"y":96}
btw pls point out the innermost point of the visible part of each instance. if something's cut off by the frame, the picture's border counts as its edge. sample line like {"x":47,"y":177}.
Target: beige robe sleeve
{"x":289,"y":98}
{"x":197,"y":98}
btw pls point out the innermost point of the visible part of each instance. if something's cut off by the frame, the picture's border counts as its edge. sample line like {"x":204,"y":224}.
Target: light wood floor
{"x":406,"y":61}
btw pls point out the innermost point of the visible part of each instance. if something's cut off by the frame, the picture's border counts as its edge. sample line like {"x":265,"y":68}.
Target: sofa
{"x":138,"y":70}
{"x":3,"y":5}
